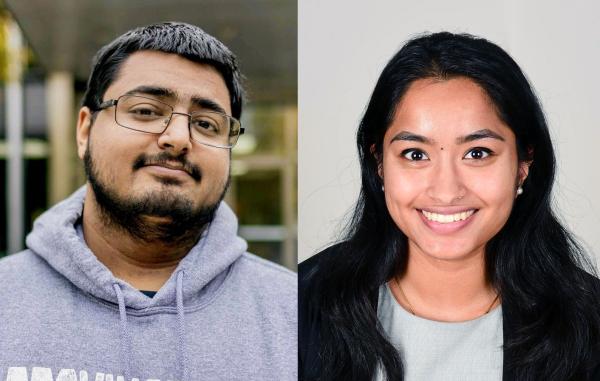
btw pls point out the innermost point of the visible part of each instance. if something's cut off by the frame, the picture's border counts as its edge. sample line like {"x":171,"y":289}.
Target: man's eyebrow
{"x":156,"y":91}
{"x":163,"y":92}
{"x":479,"y":134}
{"x":207,"y":104}
{"x":410,"y":137}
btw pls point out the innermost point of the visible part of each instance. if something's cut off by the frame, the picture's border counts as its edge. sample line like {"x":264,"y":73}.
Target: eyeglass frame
{"x":114,"y":102}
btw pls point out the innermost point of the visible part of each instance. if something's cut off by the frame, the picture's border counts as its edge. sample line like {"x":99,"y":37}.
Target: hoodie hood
{"x":55,"y":239}
{"x":224,"y":314}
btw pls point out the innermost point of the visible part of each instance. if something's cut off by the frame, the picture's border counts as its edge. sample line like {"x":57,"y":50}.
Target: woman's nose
{"x":446,"y":185}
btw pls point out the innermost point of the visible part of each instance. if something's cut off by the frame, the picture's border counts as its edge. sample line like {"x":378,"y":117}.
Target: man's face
{"x":154,"y":174}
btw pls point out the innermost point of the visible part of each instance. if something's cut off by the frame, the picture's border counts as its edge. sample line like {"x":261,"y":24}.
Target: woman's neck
{"x":444,"y":289}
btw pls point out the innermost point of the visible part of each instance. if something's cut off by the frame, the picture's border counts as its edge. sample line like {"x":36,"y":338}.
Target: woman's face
{"x":449,"y":168}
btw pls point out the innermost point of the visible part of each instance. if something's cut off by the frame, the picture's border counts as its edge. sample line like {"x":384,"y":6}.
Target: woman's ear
{"x":524,"y":171}
{"x":522,"y":176}
{"x":379,"y":159}
{"x":524,"y":166}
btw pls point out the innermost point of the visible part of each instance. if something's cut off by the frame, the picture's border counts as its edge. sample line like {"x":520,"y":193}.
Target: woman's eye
{"x":414,"y":155}
{"x":478,"y":153}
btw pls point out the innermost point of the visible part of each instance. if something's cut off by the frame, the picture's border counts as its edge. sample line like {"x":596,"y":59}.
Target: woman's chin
{"x":448,"y":250}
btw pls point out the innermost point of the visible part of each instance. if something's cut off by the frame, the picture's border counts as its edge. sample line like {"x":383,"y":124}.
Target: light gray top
{"x":433,"y":350}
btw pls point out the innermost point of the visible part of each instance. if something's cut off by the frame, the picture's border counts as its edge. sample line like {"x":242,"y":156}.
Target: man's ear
{"x":84,"y":125}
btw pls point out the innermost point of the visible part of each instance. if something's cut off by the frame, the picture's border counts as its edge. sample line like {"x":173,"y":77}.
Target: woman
{"x":454,"y":265}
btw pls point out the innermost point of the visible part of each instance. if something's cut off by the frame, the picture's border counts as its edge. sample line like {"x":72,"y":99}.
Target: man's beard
{"x":180,"y":223}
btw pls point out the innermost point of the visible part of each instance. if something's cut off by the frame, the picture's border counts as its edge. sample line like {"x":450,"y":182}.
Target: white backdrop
{"x":343,"y":45}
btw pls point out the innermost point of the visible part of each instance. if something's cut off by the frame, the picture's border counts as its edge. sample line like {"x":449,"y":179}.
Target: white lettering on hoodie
{"x":45,"y":374}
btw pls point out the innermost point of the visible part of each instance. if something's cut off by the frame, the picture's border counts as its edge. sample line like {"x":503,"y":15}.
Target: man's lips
{"x":168,"y":170}
{"x":166,"y":165}
{"x":175,"y":167}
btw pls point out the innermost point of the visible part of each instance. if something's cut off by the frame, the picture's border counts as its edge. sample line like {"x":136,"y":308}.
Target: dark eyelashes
{"x":487,"y":151}
{"x":484,"y":149}
{"x":404,"y":152}
{"x":416,"y":154}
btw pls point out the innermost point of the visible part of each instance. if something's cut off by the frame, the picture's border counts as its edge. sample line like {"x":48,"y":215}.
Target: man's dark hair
{"x":182,"y":39}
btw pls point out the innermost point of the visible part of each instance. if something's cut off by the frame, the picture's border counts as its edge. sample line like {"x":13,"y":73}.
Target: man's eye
{"x":146,"y":112}
{"x":414,"y":155}
{"x":206,"y":124}
{"x":477,"y":153}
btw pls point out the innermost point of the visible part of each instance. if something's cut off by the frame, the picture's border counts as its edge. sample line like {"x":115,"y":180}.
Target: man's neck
{"x":144,"y":265}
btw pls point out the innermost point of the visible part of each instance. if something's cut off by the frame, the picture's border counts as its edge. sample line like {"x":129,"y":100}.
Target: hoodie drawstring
{"x":125,"y":336}
{"x":181,"y":333}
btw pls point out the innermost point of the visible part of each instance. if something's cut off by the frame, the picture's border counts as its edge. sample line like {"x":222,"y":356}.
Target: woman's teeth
{"x":447,"y":218}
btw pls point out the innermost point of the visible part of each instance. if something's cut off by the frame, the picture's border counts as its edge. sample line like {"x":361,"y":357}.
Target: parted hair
{"x":535,"y":264}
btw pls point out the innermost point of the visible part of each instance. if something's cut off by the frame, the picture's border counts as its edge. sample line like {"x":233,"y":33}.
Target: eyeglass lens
{"x":153,"y":116}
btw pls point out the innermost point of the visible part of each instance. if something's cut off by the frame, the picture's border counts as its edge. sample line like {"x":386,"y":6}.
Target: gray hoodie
{"x":224,"y":314}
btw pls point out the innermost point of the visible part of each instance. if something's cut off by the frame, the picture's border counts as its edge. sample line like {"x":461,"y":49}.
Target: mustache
{"x":164,"y":158}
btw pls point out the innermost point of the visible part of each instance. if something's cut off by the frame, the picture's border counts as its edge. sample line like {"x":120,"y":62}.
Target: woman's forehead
{"x":446,"y":110}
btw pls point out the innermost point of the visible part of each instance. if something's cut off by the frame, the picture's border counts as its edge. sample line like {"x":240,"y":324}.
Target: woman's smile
{"x":447,"y":223}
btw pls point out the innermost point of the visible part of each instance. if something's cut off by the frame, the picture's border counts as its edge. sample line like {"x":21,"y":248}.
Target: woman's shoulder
{"x":309,"y":267}
{"x":591,"y":276}
{"x":308,"y":313}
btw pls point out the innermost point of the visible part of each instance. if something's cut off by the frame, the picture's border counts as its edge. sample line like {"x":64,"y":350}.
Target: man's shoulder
{"x":28,"y":275}
{"x":266,"y":280}
{"x":264,"y":270}
{"x":20,"y":265}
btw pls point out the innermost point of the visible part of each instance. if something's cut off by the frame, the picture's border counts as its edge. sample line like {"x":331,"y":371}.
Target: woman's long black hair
{"x":540,"y":272}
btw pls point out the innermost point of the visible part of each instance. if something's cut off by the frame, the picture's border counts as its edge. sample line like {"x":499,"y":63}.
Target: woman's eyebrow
{"x":479,"y":134}
{"x":410,"y":137}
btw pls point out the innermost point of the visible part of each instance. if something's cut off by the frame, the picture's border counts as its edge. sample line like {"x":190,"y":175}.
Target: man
{"x":140,"y":274}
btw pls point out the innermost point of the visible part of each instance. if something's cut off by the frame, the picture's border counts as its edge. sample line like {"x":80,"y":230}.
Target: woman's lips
{"x":447,"y":223}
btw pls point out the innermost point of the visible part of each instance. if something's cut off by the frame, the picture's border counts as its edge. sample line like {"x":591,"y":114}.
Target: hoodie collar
{"x":54,"y":238}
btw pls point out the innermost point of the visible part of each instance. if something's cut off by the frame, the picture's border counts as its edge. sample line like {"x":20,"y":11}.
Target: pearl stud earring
{"x":520,"y":191}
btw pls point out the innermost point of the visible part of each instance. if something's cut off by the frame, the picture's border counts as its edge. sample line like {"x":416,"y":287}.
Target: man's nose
{"x":176,"y":136}
{"x":446,"y":184}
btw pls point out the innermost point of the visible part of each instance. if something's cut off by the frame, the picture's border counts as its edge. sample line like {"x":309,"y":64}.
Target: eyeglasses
{"x":149,"y":115}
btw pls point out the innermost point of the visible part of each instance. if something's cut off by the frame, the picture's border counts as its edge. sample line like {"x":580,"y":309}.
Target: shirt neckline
{"x":492,"y":314}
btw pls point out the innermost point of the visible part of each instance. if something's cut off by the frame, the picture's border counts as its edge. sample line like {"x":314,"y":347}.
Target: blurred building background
{"x":46,"y":48}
